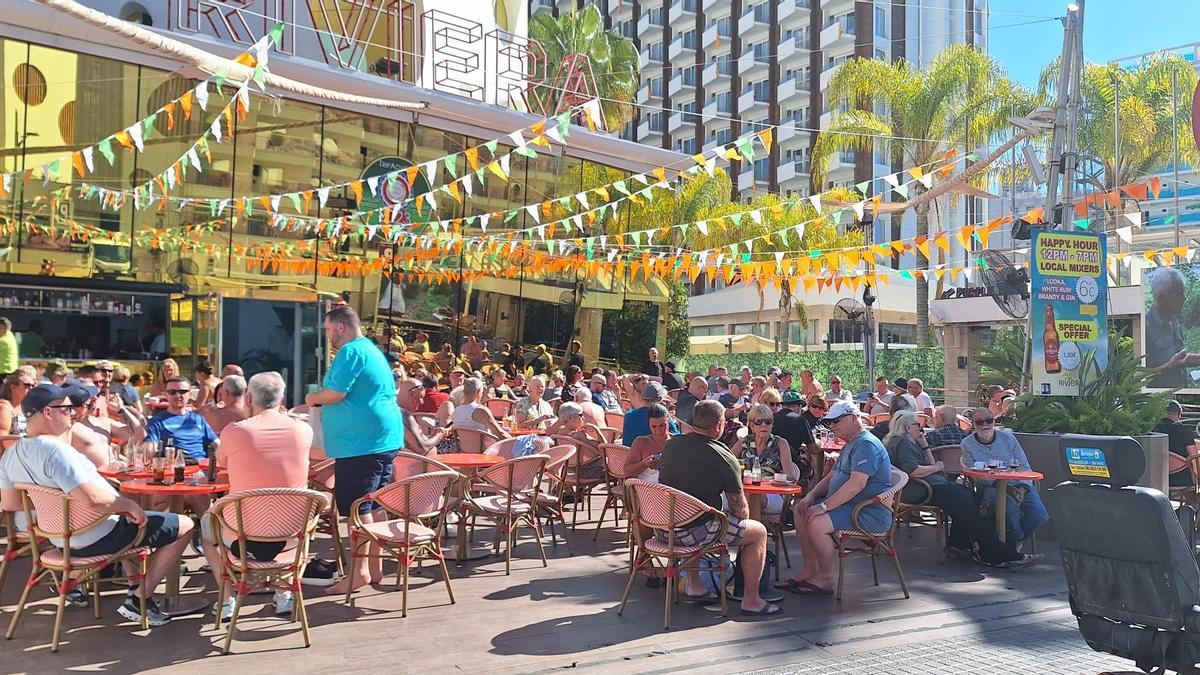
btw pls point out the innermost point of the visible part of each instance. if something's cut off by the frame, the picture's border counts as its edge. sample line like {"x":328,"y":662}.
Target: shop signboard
{"x":1069,"y":306}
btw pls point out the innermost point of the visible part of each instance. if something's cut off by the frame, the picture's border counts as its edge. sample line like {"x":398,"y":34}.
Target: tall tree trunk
{"x":923,"y":282}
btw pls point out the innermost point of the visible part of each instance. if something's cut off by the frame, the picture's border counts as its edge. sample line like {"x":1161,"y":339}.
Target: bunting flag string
{"x":83,"y":161}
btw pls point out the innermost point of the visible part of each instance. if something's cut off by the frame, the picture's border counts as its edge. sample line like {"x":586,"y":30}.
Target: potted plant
{"x":1111,"y":402}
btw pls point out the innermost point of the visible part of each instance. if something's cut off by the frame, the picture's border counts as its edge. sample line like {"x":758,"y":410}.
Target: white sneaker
{"x":226,"y":609}
{"x":284,"y":603}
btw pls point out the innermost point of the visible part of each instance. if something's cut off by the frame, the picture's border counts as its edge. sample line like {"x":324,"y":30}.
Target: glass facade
{"x":53,"y":102}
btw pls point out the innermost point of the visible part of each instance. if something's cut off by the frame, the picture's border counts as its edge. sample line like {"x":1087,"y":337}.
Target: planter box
{"x":1043,"y":453}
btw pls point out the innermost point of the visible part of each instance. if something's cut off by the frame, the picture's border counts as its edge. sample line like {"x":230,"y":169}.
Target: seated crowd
{"x":697,"y":432}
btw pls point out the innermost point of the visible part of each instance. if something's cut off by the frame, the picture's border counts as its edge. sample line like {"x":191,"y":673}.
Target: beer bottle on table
{"x":1050,"y":343}
{"x":212,"y":462}
{"x":179,"y":465}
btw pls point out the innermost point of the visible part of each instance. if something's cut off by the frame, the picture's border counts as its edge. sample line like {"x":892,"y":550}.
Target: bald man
{"x":945,"y":427}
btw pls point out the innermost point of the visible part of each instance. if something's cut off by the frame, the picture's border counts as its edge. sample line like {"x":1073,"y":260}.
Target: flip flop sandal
{"x":767,"y":610}
{"x":807,"y":588}
{"x":706,"y":599}
{"x":789,"y":584}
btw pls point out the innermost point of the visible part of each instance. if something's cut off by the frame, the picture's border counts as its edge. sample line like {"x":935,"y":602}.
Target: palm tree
{"x":612,"y":58}
{"x":1145,"y":123}
{"x":962,"y":95}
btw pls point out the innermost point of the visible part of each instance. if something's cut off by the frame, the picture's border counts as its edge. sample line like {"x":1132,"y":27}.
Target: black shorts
{"x":355,"y":477}
{"x":161,"y":529}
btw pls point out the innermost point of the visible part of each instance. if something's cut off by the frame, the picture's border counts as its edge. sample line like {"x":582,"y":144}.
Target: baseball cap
{"x":669,"y":364}
{"x":841,"y":409}
{"x":41,"y":396}
{"x":79,"y":395}
{"x":745,"y":369}
{"x":792,"y":398}
{"x":774,"y":370}
{"x":56,"y":367}
{"x":653,"y":391}
{"x":901,"y":383}
{"x":599,"y":379}
{"x":1174,"y":407}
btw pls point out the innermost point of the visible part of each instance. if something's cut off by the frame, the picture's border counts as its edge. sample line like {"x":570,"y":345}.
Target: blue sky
{"x":1112,"y":29}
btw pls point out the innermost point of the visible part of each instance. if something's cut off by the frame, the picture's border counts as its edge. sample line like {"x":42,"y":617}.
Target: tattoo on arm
{"x":737,"y":505}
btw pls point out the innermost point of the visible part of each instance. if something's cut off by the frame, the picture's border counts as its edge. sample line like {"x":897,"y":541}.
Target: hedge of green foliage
{"x":927,"y":363}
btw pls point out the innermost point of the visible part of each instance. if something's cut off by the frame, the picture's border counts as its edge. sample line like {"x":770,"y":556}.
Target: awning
{"x":736,"y":344}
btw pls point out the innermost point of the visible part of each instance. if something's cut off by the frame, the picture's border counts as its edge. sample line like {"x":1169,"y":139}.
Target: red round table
{"x":469,"y":461}
{"x":147,"y":489}
{"x":1001,"y":476}
{"x":757,"y":493}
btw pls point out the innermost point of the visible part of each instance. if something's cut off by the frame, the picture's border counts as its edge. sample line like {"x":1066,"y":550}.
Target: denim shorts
{"x":161,"y":529}
{"x":355,"y":477}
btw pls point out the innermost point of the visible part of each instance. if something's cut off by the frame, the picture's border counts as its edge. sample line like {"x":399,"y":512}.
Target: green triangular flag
{"x":277,"y":35}
{"x":620,"y":186}
{"x":451,"y":162}
{"x":837,"y":218}
{"x":259,"y":76}
{"x":862,"y":187}
{"x":636,"y":237}
{"x":783,"y":237}
{"x":746,"y":148}
{"x":491,"y":146}
{"x":901,"y":190}
{"x":683,"y":228}
{"x":745,"y":258}
{"x":526,"y":151}
{"x":219,"y":78}
{"x":736,"y":218}
{"x":1168,"y":220}
{"x":564,"y":123}
{"x":148,"y":124}
{"x":105,"y":148}
{"x":212,"y":207}
{"x":1082,"y":223}
{"x":972,"y":157}
{"x":509,"y":216}
{"x":295,"y":199}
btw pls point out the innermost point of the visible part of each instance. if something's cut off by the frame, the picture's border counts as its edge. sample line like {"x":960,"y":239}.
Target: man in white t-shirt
{"x":41,"y":458}
{"x":880,"y":400}
{"x":924,"y":402}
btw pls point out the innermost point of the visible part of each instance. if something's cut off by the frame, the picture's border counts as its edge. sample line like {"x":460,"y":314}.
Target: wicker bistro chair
{"x":500,"y":407}
{"x":504,"y":447}
{"x":516,"y":484}
{"x":920,"y":512}
{"x":473,"y":440}
{"x":288,"y":515}
{"x":659,"y":507}
{"x":550,"y":499}
{"x":55,"y":514}
{"x":16,"y":544}
{"x":320,"y":478}
{"x":614,"y":420}
{"x":409,"y":464}
{"x":586,"y":453}
{"x":774,"y":524}
{"x":615,"y":455}
{"x":1188,"y":494}
{"x":951,"y":458}
{"x":417,"y":506}
{"x":873,"y":543}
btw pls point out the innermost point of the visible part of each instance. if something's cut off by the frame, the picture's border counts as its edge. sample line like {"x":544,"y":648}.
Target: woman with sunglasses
{"x":817,"y":407}
{"x":773,"y":453}
{"x":12,"y":392}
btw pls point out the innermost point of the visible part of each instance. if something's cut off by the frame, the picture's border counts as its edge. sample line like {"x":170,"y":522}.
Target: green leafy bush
{"x":926,"y":363}
{"x":1112,"y":402}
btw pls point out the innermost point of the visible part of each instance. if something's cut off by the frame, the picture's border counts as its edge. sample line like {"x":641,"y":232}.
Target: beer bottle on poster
{"x":1050,"y":343}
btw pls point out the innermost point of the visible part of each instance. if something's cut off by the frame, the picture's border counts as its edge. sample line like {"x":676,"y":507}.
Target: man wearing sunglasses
{"x":93,"y":434}
{"x":41,"y":458}
{"x":1024,"y":512}
{"x":188,"y":428}
{"x":410,"y":393}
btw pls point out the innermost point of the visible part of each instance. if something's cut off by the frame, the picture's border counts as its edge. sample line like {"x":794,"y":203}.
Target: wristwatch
{"x":824,"y":507}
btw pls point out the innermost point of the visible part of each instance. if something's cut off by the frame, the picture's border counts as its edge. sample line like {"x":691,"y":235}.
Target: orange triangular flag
{"x":1155,"y":186}
{"x":185,"y":103}
{"x":472,"y":155}
{"x":356,"y":188}
{"x":765,"y":136}
{"x":77,"y":162}
{"x":1034,"y":215}
{"x":1136,"y":190}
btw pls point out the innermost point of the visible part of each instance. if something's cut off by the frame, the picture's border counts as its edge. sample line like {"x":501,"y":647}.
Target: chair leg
{"x":220,"y":598}
{"x":726,"y":568}
{"x":841,"y":567}
{"x":301,"y":614}
{"x":942,"y":524}
{"x":787,"y":558}
{"x":537,"y":535}
{"x":237,"y":608}
{"x":404,"y":574}
{"x":58,"y":615}
{"x":672,"y":589}
{"x":575,"y":510}
{"x":336,"y":535}
{"x":603,"y":512}
{"x":566,"y":539}
{"x":899,"y":572}
{"x":446,"y":577}
{"x":96,"y":596}
{"x":509,"y":536}
{"x":33,"y":578}
{"x":628,"y":586}
{"x":874,"y":567}
{"x":144,"y":592}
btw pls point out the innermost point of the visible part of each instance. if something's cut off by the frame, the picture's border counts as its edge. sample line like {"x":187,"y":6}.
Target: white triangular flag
{"x":135,"y":132}
{"x":756,"y":216}
{"x":892,"y":180}
{"x":517,"y":138}
{"x":87,"y":159}
{"x":468,"y":184}
{"x":582,"y":197}
{"x":373,"y":185}
{"x":702,"y":225}
{"x":1134,"y":217}
{"x":504,"y":164}
{"x":1125,"y":233}
{"x":926,"y":180}
{"x":194,"y":157}
{"x":858,"y":210}
{"x":483,"y":221}
{"x":322,"y":196}
{"x":202,"y":95}
{"x":216,"y":129}
{"x":532,"y":210}
{"x":816,"y":202}
{"x":275,"y":203}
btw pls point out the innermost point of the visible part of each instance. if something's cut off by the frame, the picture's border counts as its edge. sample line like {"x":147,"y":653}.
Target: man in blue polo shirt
{"x":637,"y":421}
{"x":362,"y":426}
{"x":188,"y":428}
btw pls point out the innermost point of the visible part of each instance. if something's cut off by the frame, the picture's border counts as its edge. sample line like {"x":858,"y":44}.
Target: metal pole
{"x":1114,"y":179}
{"x":1175,"y":151}
{"x":1074,"y":104}
{"x":1054,"y":155}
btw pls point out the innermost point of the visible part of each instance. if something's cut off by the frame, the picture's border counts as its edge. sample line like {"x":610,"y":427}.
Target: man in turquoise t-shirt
{"x":361,"y":424}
